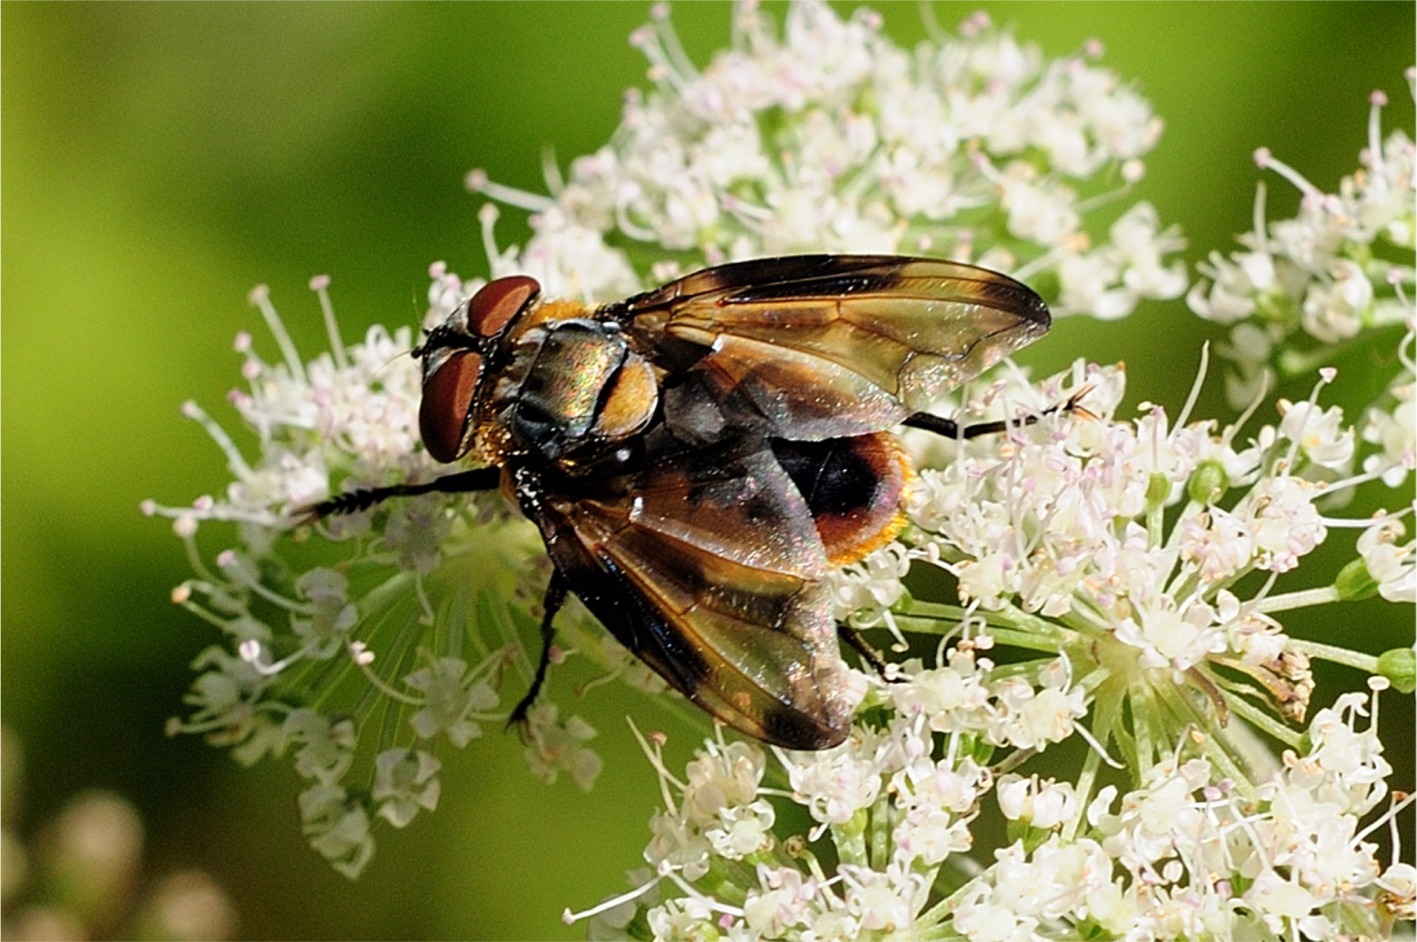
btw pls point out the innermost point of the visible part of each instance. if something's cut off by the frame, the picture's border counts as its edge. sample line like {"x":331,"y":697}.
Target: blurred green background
{"x":159,"y":160}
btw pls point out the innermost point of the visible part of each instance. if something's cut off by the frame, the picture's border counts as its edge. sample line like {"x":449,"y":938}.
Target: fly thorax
{"x":574,"y":386}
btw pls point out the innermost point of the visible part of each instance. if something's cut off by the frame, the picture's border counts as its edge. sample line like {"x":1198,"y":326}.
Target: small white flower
{"x":1392,"y":565}
{"x":1400,"y":884}
{"x":682,"y":918}
{"x":884,"y":901}
{"x":836,"y":783}
{"x":781,"y":901}
{"x":1321,"y":433}
{"x":1171,"y":637}
{"x":1393,"y":427}
{"x":679,"y":845}
{"x":405,"y":780}
{"x":326,"y":748}
{"x":449,"y":701}
{"x":1279,"y":899}
{"x":555,"y":746}
{"x":867,"y":589}
{"x":1030,"y":719}
{"x":1042,"y":805}
{"x":331,"y":614}
{"x":948,"y":698}
{"x":337,"y":827}
{"x":1280,"y":516}
{"x":741,"y":830}
{"x":1217,"y":542}
{"x":725,"y":776}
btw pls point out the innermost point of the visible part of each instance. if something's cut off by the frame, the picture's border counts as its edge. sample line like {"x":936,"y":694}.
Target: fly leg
{"x":555,"y":597}
{"x":476,"y":479}
{"x":868,"y":654}
{"x":949,"y":428}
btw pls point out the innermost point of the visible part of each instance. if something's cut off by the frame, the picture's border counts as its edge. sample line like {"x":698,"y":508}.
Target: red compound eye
{"x":446,"y":409}
{"x":494,"y":306}
{"x":451,"y":372}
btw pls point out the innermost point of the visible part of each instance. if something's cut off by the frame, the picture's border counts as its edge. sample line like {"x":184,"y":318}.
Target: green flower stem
{"x":1143,"y":704}
{"x":1262,"y":720}
{"x":1008,"y":625}
{"x":1087,"y":779}
{"x":1327,"y":652}
{"x":1292,"y":600}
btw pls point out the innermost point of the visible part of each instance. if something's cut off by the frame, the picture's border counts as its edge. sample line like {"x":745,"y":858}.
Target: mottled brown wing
{"x":818,"y":346}
{"x":708,"y":567}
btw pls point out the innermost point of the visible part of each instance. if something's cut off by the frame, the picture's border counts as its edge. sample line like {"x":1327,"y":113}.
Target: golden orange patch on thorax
{"x":555,"y":310}
{"x":628,"y":404}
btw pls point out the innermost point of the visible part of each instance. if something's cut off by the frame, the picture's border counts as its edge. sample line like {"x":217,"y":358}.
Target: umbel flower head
{"x":1113,"y":576}
{"x":1100,"y":563}
{"x":828,"y":137}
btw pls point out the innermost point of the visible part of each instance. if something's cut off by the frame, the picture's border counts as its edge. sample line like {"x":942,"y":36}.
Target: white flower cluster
{"x":1135,"y":564}
{"x":1190,"y":852}
{"x":1338,"y":274}
{"x":85,"y":869}
{"x":1136,"y":529}
{"x":1113,"y":552}
{"x":810,"y":140}
{"x":422,"y":586}
{"x":829,"y":137}
{"x":1072,"y":522}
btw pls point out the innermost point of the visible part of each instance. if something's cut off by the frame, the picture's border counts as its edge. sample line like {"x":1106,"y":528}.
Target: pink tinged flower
{"x":943,"y":695}
{"x":1216,"y":542}
{"x":726,"y":777}
{"x":937,"y":802}
{"x":930,"y":836}
{"x":884,"y":901}
{"x":781,"y":901}
{"x":1282,"y":520}
{"x":835,"y":784}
